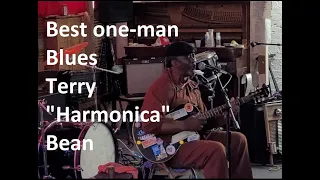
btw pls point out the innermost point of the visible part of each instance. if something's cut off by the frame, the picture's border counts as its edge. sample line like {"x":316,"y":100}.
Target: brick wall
{"x":276,"y":37}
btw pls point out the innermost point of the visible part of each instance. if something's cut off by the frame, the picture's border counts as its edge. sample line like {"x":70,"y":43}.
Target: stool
{"x":116,"y":176}
{"x":132,"y":103}
{"x":160,"y":169}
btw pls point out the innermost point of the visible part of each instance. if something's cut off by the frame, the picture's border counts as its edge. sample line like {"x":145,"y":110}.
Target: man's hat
{"x":181,"y":48}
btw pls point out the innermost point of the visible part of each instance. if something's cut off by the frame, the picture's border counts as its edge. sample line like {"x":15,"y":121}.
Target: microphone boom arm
{"x":253,"y":44}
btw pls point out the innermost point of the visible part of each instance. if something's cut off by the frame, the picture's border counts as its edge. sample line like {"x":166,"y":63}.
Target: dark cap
{"x":180,"y":49}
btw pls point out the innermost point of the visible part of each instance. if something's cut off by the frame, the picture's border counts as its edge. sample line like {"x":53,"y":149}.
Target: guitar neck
{"x":219,"y":110}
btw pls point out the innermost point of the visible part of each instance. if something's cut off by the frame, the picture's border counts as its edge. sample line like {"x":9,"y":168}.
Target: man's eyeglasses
{"x":187,"y":59}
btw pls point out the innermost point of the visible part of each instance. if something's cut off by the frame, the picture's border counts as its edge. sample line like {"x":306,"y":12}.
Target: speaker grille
{"x":115,"y":11}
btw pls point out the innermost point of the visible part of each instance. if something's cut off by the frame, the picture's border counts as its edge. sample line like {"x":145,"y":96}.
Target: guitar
{"x":155,"y":150}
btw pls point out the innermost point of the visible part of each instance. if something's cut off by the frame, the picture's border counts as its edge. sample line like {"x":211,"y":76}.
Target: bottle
{"x":211,"y":37}
{"x":206,"y":40}
{"x":218,"y":39}
{"x":192,"y":42}
{"x":64,"y":10}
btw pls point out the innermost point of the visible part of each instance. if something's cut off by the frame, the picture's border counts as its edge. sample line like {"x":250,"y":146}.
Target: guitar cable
{"x":131,"y":151}
{"x":230,"y":77}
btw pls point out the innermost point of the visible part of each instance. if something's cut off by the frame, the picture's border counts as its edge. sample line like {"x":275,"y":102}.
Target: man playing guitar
{"x":174,"y":88}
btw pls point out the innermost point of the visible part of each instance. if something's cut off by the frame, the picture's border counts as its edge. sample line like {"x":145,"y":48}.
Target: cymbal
{"x":76,"y":48}
{"x":70,"y":50}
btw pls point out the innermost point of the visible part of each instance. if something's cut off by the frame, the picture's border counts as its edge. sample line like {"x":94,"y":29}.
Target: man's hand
{"x":234,"y":106}
{"x":194,"y":123}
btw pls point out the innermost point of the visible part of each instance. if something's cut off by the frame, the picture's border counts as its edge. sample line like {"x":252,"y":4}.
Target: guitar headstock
{"x":260,"y":94}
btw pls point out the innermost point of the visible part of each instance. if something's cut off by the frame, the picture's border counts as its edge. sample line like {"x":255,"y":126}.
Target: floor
{"x":259,"y":171}
{"x":262,"y":172}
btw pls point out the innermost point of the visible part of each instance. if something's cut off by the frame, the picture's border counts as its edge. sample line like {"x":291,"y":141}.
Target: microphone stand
{"x":210,"y":98}
{"x":230,"y":116}
{"x":253,"y":44}
{"x":94,"y":79}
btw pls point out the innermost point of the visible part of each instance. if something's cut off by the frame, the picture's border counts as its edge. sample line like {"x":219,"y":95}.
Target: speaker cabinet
{"x":114,"y":11}
{"x":262,"y":126}
{"x":140,"y":75}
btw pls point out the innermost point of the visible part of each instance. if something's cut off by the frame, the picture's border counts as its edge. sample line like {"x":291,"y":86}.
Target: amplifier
{"x":55,"y":99}
{"x":262,"y":126}
{"x":140,"y":74}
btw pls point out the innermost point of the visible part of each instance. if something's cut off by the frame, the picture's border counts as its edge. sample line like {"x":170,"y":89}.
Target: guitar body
{"x":153,"y":148}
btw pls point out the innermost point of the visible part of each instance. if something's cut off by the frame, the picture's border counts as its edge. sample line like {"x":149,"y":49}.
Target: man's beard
{"x":190,"y":73}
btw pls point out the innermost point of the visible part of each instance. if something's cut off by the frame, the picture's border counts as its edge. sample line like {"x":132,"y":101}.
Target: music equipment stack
{"x":140,"y":74}
{"x":273,"y":122}
{"x":114,"y":11}
{"x":262,"y":125}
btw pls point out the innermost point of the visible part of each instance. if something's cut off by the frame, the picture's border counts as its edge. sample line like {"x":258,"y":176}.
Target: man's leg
{"x":207,"y":155}
{"x":240,"y":162}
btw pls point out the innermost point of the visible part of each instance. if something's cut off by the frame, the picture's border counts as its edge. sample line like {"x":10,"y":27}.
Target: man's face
{"x":185,"y":64}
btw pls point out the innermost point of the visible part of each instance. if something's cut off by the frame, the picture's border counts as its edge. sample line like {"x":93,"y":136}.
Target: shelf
{"x":222,"y":30}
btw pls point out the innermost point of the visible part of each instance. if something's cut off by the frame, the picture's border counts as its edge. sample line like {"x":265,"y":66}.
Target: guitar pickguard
{"x":182,"y":135}
{"x":177,"y":114}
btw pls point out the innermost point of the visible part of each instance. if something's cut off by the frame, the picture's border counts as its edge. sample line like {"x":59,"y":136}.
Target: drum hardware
{"x":80,"y":125}
{"x":94,"y":68}
{"x":48,"y":177}
{"x":137,"y":159}
{"x":83,"y":131}
{"x":106,"y":150}
{"x":133,"y":153}
{"x":78,"y":168}
{"x":111,"y":172}
{"x":115,"y":70}
{"x":41,"y":104}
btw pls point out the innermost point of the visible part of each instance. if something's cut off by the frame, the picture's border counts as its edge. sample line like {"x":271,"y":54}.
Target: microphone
{"x":253,"y":44}
{"x":198,"y":72}
{"x":203,"y":80}
{"x":200,"y":76}
{"x":203,"y":66}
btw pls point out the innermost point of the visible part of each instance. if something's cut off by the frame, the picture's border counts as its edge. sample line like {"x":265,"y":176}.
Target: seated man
{"x":174,"y":88}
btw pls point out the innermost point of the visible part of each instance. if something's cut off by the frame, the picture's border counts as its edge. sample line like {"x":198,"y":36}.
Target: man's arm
{"x":154,"y":100}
